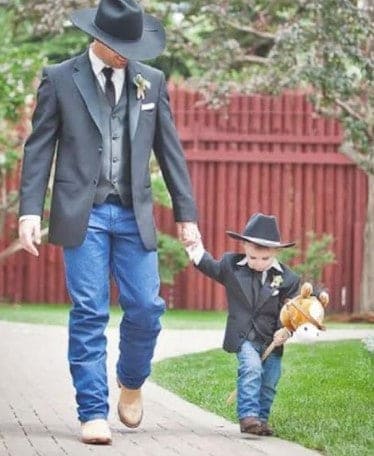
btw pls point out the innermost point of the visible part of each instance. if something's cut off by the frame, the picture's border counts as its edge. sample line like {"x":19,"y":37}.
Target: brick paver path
{"x":37,"y":409}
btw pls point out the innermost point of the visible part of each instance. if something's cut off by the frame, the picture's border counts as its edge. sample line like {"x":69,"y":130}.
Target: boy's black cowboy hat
{"x":122,"y":26}
{"x":261,"y":230}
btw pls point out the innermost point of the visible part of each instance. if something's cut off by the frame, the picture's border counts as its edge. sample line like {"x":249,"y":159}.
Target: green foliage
{"x":172,"y":257}
{"x":171,"y":254}
{"x":317,"y":255}
{"x":324,"y":400}
{"x":57,"y":48}
{"x":18,"y":68}
{"x":324,"y":46}
{"x":160,"y":192}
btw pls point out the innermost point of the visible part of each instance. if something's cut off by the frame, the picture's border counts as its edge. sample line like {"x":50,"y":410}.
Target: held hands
{"x":29,"y":234}
{"x":190,"y":237}
{"x":188,"y":233}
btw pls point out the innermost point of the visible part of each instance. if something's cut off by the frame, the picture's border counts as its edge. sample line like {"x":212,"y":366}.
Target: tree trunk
{"x":367,"y":285}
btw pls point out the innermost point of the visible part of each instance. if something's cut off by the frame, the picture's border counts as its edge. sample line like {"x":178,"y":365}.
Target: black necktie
{"x":109,"y":86}
{"x":256,"y":284}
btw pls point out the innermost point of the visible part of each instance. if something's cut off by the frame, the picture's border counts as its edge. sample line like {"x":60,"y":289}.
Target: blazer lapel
{"x":264,"y":295}
{"x":134,"y":104}
{"x":84,"y":79}
{"x":245,"y":280}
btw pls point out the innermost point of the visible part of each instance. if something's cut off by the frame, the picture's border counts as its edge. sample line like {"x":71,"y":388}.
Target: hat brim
{"x":149,"y":46}
{"x":261,"y":242}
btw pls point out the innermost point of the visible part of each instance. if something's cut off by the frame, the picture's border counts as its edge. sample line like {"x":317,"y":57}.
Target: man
{"x":103,"y":112}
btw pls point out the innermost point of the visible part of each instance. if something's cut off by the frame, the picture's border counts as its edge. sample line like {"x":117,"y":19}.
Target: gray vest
{"x":115,"y":177}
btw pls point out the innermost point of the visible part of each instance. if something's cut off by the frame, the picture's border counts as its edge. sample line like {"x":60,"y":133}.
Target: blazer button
{"x":242,"y":334}
{"x":95,"y":181}
{"x":100,"y":149}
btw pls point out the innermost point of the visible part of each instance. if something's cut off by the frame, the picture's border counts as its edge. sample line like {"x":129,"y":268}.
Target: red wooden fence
{"x":262,"y":153}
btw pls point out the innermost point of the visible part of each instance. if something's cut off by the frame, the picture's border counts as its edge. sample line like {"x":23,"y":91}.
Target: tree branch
{"x":349,"y":110}
{"x":255,"y":59}
{"x":248,"y":29}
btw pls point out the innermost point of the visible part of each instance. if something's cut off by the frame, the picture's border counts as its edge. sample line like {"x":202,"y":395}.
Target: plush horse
{"x":303,"y":315}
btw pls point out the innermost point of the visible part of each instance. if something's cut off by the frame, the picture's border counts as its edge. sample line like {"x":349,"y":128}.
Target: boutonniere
{"x":141,"y":85}
{"x":275,"y":284}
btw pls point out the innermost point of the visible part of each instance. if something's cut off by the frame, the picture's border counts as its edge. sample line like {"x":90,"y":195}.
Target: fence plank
{"x":261,"y":153}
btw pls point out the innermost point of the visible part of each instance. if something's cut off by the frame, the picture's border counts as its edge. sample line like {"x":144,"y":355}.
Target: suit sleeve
{"x":293,"y":289}
{"x":39,"y":149}
{"x":211,"y":267}
{"x":169,"y":154}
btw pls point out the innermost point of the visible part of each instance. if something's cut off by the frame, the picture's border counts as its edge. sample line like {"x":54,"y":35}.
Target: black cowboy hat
{"x":261,"y":230}
{"x":122,"y":26}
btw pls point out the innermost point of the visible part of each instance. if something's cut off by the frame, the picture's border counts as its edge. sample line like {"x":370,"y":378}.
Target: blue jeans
{"x":112,"y":246}
{"x":257,"y":381}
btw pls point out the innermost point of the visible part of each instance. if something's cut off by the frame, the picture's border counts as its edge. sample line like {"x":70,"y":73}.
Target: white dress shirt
{"x":196,"y":253}
{"x":118,"y":76}
{"x":118,"y":79}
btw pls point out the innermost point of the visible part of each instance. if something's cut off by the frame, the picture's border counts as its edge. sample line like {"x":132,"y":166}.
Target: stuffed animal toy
{"x":303,"y":316}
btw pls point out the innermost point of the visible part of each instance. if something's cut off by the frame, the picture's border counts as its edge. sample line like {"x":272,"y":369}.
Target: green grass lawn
{"x":57,"y":314}
{"x":325,"y":397}
{"x":50,"y":314}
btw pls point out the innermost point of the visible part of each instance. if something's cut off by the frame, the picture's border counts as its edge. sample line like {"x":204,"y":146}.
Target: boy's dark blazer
{"x":67,"y":121}
{"x":242,"y":311}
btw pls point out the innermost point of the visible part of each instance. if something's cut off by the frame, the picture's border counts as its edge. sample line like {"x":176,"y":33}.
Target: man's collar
{"x":275,"y":264}
{"x":98,"y":65}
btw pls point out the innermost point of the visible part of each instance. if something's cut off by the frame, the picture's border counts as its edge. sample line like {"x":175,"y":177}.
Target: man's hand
{"x":188,"y":233}
{"x":29,"y":234}
{"x":280,"y":336}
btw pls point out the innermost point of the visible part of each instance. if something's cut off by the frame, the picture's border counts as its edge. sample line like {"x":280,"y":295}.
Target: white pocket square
{"x":147,"y":106}
{"x":275,"y":293}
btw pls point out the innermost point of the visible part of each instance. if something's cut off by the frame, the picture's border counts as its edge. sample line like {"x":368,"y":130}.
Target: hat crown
{"x":122,"y":19}
{"x":262,"y":226}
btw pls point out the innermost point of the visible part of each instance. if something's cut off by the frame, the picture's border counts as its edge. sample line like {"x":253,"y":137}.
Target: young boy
{"x":257,"y":286}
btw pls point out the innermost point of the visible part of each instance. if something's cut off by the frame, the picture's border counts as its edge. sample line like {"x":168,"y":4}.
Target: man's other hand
{"x":29,"y":234}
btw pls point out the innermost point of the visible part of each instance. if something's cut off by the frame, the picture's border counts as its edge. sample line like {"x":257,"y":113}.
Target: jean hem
{"x":97,"y":416}
{"x":248,"y":415}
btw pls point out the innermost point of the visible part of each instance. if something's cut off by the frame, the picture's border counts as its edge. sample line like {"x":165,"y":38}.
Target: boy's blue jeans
{"x":257,"y":381}
{"x":112,"y":247}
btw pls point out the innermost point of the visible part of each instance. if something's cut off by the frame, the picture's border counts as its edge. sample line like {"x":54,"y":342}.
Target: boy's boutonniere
{"x":275,"y":284}
{"x":141,"y":85}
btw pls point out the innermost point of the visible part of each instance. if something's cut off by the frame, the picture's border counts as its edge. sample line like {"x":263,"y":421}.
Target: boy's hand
{"x":281,"y":336}
{"x":195,"y":251}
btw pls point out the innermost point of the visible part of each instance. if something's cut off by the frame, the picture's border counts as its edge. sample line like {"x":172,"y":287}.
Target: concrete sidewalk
{"x":37,"y":409}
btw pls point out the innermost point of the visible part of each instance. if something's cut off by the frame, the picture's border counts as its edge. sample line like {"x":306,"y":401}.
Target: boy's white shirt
{"x":196,"y":253}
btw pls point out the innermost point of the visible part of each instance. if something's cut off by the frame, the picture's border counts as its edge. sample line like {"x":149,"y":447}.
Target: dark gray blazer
{"x":67,"y":121}
{"x":242,"y":310}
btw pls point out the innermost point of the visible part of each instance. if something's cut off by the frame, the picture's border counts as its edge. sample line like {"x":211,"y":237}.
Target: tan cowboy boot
{"x":96,"y":431}
{"x":130,"y":406}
